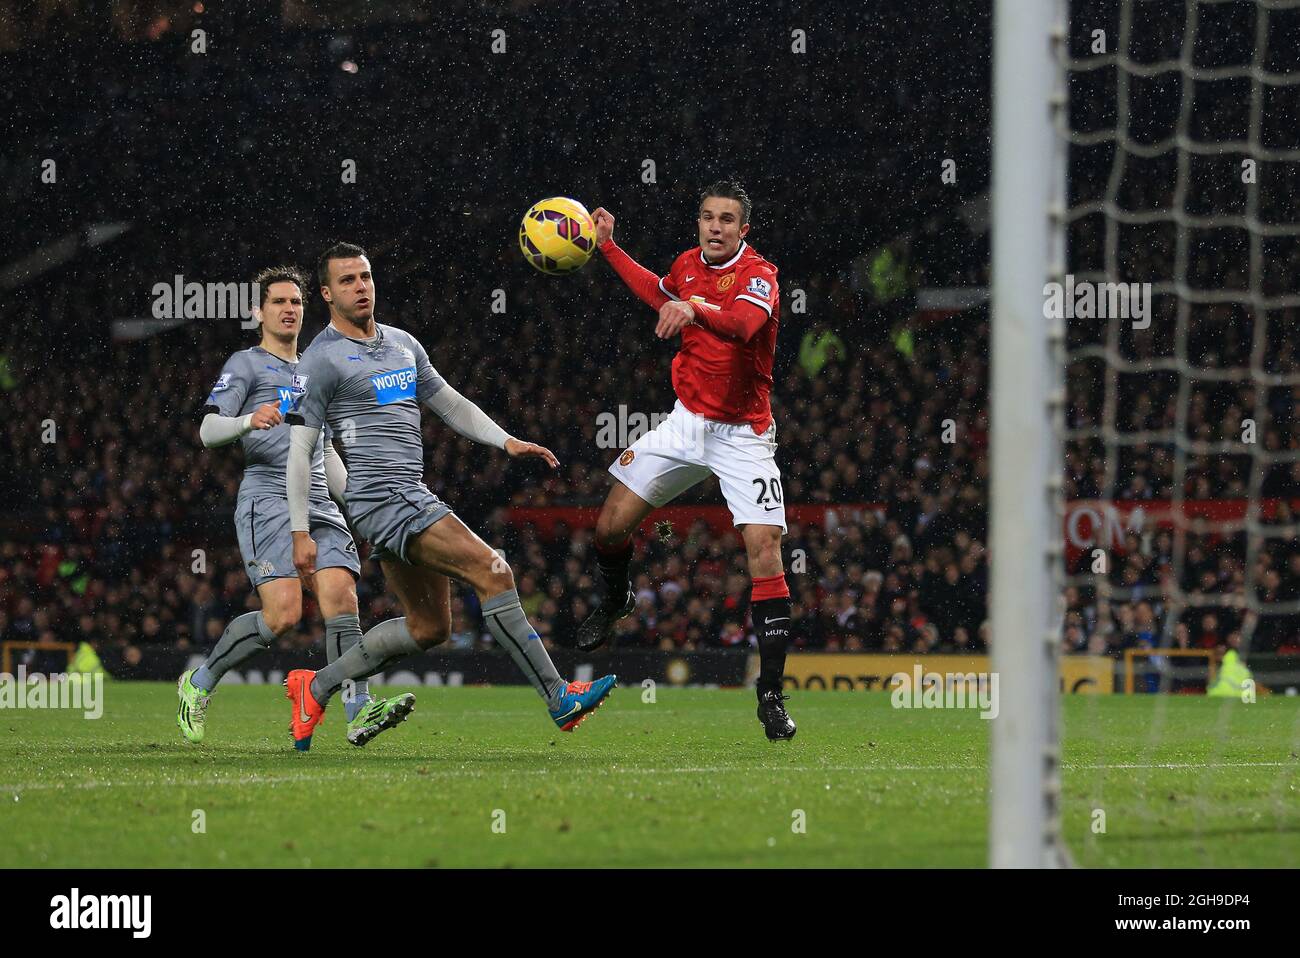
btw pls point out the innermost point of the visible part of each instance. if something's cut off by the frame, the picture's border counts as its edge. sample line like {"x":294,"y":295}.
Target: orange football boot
{"x":307,"y":714}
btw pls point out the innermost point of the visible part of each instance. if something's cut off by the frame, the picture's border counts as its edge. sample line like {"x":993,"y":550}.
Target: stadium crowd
{"x":119,"y":528}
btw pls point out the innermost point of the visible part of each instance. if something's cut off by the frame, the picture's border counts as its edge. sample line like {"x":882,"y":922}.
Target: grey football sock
{"x":382,"y":645}
{"x":342,"y":632}
{"x":245,"y":636}
{"x":509,"y":626}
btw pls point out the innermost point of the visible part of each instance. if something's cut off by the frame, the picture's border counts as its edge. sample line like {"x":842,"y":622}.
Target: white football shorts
{"x":685,"y":448}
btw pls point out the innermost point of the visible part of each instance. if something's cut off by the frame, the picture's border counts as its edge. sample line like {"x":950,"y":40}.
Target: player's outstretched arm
{"x":636,"y":277}
{"x":218,"y":430}
{"x":466,"y":419}
{"x":302,"y":443}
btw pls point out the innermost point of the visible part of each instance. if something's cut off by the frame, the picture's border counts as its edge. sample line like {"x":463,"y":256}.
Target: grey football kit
{"x":369,"y":391}
{"x":251,"y":378}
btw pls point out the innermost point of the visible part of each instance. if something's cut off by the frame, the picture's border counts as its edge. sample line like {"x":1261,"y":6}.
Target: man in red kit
{"x":722,"y":298}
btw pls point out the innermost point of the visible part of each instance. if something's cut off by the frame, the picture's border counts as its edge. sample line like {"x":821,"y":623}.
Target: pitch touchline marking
{"x":370,"y":775}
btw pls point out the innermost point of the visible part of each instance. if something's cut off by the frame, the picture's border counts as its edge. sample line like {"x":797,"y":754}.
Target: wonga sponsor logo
{"x":291,"y":395}
{"x":394,"y":386}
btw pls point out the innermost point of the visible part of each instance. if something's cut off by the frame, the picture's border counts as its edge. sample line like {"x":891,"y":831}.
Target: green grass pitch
{"x":686,"y":781}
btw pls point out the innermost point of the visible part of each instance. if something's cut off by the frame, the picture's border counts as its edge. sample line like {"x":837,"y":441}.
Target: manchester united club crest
{"x":726,"y":282}
{"x":626,"y":458}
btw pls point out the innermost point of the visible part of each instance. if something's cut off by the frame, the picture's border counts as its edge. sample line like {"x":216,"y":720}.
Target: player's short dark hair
{"x":280,"y":274}
{"x":337,"y":251}
{"x":730,"y":189}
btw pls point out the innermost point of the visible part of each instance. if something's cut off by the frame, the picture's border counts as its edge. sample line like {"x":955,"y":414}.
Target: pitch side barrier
{"x":724,"y":668}
{"x":713,"y":668}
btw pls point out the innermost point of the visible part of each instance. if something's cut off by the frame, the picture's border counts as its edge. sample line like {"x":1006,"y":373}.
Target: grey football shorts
{"x":391,"y":518}
{"x":262,"y":524}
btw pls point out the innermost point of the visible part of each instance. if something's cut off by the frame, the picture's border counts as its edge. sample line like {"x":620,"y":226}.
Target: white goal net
{"x":1175,"y":304}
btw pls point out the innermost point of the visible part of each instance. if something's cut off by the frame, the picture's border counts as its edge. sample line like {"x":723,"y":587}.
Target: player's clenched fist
{"x":266,"y":416}
{"x":604,"y":224}
{"x":674,"y":316}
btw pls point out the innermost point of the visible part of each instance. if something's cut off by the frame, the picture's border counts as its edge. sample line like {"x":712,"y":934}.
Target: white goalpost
{"x":1026,"y":415}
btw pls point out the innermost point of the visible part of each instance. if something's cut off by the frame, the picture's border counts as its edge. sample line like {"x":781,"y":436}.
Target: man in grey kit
{"x":256,"y":388}
{"x":367,"y":382}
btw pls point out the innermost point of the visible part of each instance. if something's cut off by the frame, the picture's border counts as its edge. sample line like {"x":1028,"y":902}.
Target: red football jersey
{"x":716,"y":376}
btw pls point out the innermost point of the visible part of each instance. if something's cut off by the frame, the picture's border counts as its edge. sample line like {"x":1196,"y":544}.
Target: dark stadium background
{"x":224,"y":162}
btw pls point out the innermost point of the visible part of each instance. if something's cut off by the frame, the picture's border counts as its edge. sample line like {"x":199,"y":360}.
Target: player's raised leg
{"x":450,"y":547}
{"x":651,"y":473}
{"x":620,"y":516}
{"x":244,"y":637}
{"x":770,"y":609}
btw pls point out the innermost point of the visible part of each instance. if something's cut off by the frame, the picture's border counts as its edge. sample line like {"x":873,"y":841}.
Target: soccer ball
{"x":557,"y":235}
